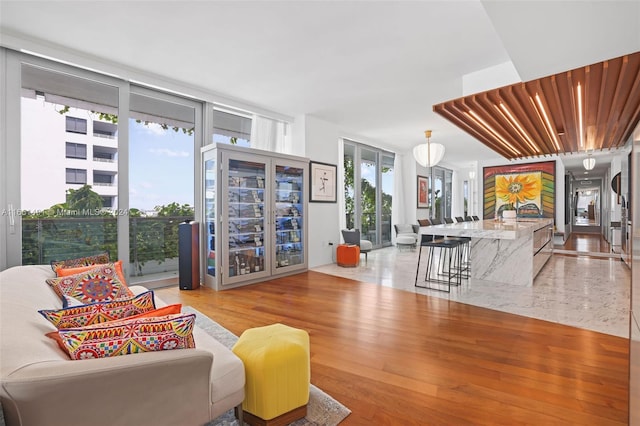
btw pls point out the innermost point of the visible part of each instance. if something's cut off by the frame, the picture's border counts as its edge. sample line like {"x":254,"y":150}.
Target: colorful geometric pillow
{"x":95,"y":313}
{"x":68,"y":301}
{"x":129,"y":336}
{"x":81,"y":261}
{"x":159,"y":312}
{"x":100,"y":284}
{"x":65,"y":272}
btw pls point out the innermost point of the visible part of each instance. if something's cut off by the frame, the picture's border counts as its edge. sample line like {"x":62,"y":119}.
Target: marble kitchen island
{"x":508,"y":251}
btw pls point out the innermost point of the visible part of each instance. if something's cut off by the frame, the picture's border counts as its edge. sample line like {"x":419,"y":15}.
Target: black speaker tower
{"x":188,"y":255}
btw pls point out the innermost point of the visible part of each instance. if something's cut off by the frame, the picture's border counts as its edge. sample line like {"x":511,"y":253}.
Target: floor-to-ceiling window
{"x":68,"y":169}
{"x":161,"y":185}
{"x":368,"y":191}
{"x":93,"y":162}
{"x":442,"y":192}
{"x":97,"y":165}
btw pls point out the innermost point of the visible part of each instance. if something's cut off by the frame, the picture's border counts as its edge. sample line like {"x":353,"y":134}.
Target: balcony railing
{"x":153,"y":241}
{"x":104,"y":135}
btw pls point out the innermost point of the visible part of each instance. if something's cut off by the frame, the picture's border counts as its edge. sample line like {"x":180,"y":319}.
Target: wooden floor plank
{"x":395,"y":357}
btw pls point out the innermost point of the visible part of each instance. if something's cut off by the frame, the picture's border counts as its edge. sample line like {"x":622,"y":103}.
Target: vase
{"x":509,"y":214}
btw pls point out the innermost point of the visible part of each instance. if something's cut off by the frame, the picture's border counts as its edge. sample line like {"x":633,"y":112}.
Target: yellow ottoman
{"x":276,"y":364}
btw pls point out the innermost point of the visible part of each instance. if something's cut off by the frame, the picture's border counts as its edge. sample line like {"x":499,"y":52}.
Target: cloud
{"x":154,"y":128}
{"x":168,"y":152}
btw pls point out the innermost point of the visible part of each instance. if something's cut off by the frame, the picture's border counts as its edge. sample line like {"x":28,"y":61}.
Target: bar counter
{"x":507,"y":251}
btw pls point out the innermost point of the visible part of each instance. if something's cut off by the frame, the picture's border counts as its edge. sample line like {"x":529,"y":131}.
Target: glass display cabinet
{"x":255,"y":207}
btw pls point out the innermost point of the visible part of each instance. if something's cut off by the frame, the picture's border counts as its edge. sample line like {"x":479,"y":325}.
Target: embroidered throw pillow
{"x":81,"y":261}
{"x":65,"y":272}
{"x":100,"y":284}
{"x":159,"y":312}
{"x":95,"y":313}
{"x":129,"y":336}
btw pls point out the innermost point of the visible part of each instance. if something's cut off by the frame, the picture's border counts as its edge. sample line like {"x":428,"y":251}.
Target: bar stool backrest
{"x":459,"y":219}
{"x":448,"y":220}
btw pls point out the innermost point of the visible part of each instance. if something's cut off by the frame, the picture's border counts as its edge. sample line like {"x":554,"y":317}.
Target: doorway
{"x":586,"y":215}
{"x":587,"y":207}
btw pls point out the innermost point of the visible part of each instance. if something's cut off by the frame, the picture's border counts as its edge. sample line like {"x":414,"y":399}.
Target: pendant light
{"x":429,"y":154}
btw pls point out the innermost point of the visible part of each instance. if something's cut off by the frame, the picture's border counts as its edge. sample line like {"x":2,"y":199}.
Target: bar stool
{"x":475,"y":217}
{"x":466,"y":249}
{"x":450,"y":252}
{"x":463,"y":267}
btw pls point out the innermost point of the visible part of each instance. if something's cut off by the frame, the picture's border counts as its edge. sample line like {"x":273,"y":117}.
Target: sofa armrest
{"x":153,"y":388}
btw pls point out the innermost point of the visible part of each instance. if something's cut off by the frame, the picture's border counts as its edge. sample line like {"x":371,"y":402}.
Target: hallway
{"x":585,"y":244}
{"x":582,"y":285}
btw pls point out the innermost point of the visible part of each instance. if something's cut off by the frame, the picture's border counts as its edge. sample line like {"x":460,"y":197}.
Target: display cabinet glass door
{"x":246,"y":211}
{"x":289,"y":217}
{"x":210,"y":171}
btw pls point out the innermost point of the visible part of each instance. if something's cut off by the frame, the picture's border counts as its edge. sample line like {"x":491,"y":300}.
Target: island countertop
{"x":501,"y":230}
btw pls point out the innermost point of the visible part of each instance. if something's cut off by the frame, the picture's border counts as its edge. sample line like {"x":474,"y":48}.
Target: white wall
{"x":321,"y":144}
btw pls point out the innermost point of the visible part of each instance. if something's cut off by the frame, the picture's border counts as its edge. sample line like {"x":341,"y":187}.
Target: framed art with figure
{"x":324,"y":183}
{"x":423,"y":192}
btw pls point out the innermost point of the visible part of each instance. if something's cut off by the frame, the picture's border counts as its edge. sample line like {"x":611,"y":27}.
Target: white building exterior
{"x":65,"y":151}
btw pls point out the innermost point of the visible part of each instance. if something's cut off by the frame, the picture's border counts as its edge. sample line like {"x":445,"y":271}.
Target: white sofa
{"x":40,"y":385}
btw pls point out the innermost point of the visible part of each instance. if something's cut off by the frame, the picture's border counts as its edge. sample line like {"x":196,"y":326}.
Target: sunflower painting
{"x":527,"y":188}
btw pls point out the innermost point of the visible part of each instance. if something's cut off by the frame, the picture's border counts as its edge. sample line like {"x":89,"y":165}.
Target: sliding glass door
{"x":161,"y":187}
{"x":368,"y":191}
{"x":95,"y":165}
{"x":68,"y":170}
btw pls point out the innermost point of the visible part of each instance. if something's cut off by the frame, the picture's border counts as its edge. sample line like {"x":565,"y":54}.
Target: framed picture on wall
{"x":324,"y":183}
{"x":423,"y":192}
{"x":528,"y":188}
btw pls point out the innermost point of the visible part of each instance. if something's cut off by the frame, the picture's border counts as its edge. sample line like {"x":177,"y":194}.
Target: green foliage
{"x":368,"y":198}
{"x":84,"y":200}
{"x":175,"y":209}
{"x":78,"y":228}
{"x":438,"y":204}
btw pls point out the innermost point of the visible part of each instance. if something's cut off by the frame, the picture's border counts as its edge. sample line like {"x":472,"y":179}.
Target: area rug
{"x":322,"y":409}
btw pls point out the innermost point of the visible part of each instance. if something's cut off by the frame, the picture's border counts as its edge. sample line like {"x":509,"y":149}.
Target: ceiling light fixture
{"x":547,"y":123}
{"x":429,"y":154}
{"x":516,"y":126}
{"x":589,"y":163}
{"x":580,"y":128}
{"x":475,"y":117}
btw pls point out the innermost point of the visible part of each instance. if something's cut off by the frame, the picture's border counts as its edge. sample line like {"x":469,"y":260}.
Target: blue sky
{"x":161,"y":166}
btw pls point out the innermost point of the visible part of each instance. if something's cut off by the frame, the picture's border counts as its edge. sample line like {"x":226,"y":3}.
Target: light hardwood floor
{"x":396,"y":357}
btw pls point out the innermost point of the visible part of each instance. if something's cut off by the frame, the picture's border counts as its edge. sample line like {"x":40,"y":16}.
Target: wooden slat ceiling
{"x":591,"y":108}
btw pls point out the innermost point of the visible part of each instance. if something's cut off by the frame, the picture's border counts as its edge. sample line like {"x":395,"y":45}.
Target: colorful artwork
{"x":423,"y":192}
{"x":527,"y":188}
